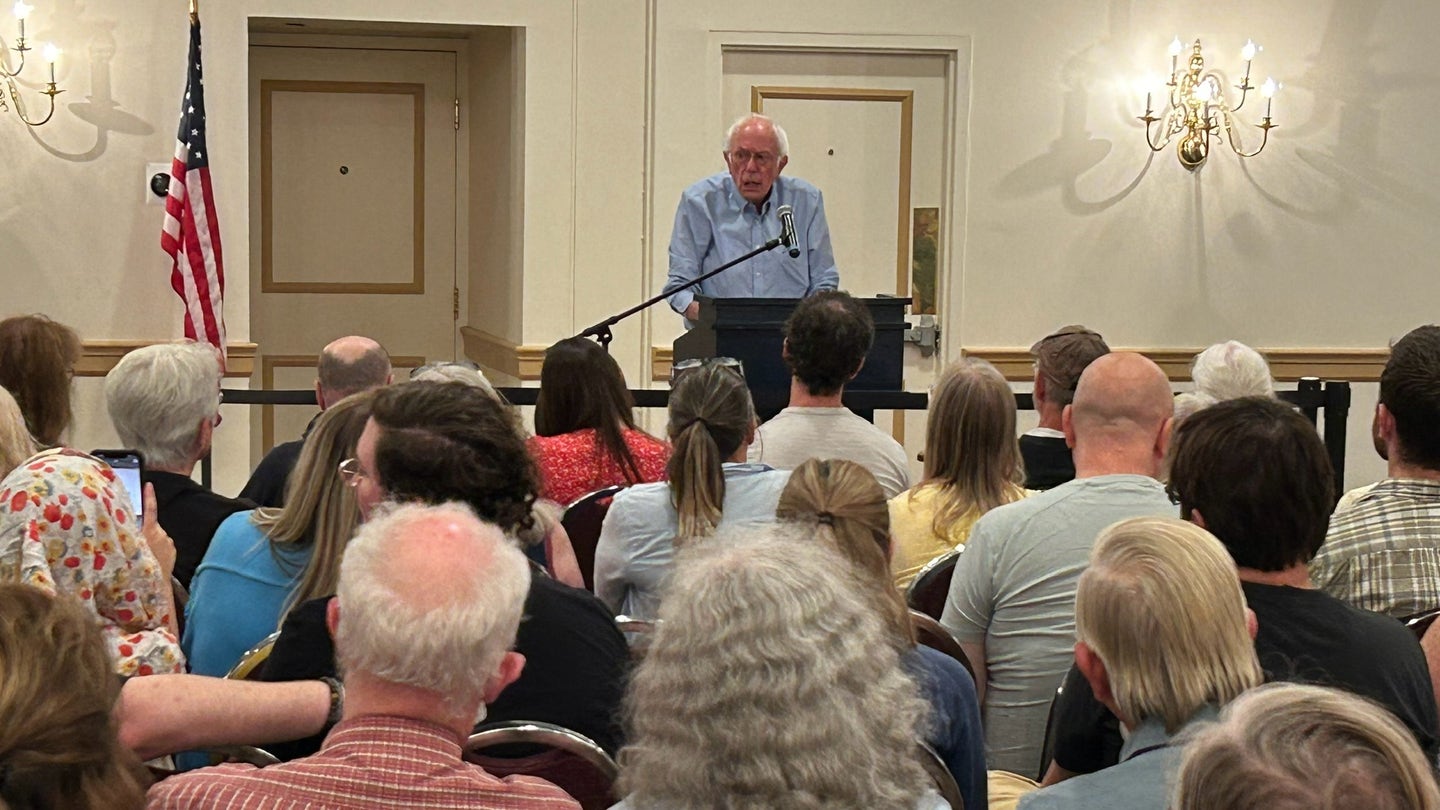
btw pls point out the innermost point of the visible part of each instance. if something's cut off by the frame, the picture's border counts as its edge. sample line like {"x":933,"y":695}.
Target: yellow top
{"x":912,"y":516}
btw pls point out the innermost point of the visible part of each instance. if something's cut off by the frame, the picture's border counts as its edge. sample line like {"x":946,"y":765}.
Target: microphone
{"x":787,"y":230}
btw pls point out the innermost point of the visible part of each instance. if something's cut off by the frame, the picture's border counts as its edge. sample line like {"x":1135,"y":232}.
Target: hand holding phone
{"x":155,"y":536}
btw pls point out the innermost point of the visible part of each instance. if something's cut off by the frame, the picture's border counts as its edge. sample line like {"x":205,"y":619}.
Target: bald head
{"x":430,"y":597}
{"x":1120,"y":417}
{"x":349,"y":365}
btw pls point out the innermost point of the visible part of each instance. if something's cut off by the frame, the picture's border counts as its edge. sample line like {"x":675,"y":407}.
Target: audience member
{"x":264,"y":561}
{"x":66,"y":527}
{"x":771,"y":682}
{"x":1383,"y":553}
{"x":1060,"y":358}
{"x":1293,"y":747}
{"x":726,"y":215}
{"x":972,"y":465}
{"x":1228,"y":370}
{"x":164,"y":401}
{"x":585,"y":433}
{"x":58,"y":747}
{"x":428,"y":604}
{"x":545,"y":541}
{"x":1256,"y":475}
{"x":826,"y":340}
{"x":348,"y":365}
{"x":435,"y":442}
{"x":1012,"y":599}
{"x":839,"y":503}
{"x":712,"y":422}
{"x":37,"y":360}
{"x":462,"y":372}
{"x":16,"y":443}
{"x":1164,"y":640}
{"x":1231,"y":370}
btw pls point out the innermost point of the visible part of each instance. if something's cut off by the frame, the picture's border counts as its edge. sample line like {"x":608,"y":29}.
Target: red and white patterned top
{"x":573,"y":464}
{"x":366,"y":762}
{"x":66,"y":527}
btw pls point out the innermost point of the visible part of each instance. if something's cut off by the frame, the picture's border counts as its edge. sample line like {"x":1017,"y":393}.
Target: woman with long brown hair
{"x":585,"y":433}
{"x":841,"y":505}
{"x":712,"y":423}
{"x":972,"y":465}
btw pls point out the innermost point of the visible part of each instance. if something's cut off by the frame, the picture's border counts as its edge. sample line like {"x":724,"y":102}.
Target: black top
{"x":576,"y":661}
{"x":190,"y":514}
{"x":266,"y":486}
{"x":1047,"y":461}
{"x":1305,"y":636}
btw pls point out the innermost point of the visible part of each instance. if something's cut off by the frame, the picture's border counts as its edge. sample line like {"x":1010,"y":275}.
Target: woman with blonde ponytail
{"x":712,"y":423}
{"x":842,"y":506}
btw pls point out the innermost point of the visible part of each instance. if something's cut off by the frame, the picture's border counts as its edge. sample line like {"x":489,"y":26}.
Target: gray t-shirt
{"x":1014,"y":592}
{"x":796,"y":435}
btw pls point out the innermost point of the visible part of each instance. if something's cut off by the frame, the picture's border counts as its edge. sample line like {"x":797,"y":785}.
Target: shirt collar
{"x":1150,"y":734}
{"x":371,"y":732}
{"x":1416,"y":487}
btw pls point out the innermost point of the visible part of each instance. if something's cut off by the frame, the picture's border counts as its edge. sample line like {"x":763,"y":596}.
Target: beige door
{"x":353,"y":195}
{"x":868,"y":129}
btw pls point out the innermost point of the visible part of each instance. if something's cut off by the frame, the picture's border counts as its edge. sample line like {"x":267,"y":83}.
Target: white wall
{"x":1323,"y":241}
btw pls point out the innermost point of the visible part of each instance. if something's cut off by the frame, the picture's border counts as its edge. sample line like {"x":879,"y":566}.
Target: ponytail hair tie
{"x":825,"y":519}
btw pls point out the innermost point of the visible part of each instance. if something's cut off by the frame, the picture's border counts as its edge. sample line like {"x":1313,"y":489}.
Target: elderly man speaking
{"x":728,"y":214}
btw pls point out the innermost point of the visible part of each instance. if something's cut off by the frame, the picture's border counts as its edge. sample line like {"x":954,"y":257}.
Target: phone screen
{"x":126,"y":464}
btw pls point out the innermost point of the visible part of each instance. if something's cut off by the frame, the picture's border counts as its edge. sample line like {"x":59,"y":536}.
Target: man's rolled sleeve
{"x":971,"y":602}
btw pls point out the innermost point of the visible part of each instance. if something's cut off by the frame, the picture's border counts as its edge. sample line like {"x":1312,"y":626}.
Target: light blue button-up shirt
{"x":714,"y":225}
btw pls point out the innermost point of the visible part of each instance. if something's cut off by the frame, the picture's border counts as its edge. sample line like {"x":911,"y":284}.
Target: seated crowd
{"x":1158,"y":604}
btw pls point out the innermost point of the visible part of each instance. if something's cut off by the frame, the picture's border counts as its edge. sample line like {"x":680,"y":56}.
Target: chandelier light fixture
{"x":1200,"y":110}
{"x":9,"y":73}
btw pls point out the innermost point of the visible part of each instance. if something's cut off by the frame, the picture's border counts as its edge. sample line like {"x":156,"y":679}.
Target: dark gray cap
{"x":1063,"y":354}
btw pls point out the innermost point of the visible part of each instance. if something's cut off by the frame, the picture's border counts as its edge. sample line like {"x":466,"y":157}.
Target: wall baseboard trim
{"x":1287,"y":365}
{"x":502,"y":355}
{"x":97,"y":357}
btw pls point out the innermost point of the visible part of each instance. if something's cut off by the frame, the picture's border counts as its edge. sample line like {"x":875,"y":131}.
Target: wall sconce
{"x":51,"y":55}
{"x":1199,"y":110}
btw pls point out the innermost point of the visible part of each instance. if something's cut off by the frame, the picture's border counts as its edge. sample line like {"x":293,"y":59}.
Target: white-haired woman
{"x":771,"y":682}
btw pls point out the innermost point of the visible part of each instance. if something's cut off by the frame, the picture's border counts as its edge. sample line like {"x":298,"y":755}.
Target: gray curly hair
{"x":771,"y":682}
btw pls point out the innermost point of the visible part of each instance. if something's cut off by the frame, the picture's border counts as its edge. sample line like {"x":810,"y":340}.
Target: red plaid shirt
{"x":367,"y":762}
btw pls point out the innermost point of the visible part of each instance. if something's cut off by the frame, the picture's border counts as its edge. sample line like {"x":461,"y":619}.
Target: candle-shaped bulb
{"x":51,"y":53}
{"x":1248,"y":52}
{"x":1268,"y":88}
{"x":22,"y":10}
{"x":1176,"y":47}
{"x":1204,"y":91}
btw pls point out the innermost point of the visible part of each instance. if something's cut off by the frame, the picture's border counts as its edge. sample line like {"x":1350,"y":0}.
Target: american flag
{"x":191,"y":234}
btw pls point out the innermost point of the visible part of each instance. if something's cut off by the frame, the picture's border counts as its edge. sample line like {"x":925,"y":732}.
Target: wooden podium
{"x":752,"y":331}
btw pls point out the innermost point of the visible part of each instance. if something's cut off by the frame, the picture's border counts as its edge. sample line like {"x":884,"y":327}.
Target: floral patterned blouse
{"x":66,"y":527}
{"x":575,"y":463}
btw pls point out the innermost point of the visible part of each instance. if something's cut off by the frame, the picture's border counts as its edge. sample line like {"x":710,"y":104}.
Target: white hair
{"x":406,"y":625}
{"x":1231,"y":370}
{"x":157,"y":397}
{"x":455,"y":372}
{"x":782,"y":141}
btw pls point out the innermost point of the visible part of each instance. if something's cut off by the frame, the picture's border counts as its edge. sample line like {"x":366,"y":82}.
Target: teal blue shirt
{"x":237,"y":594}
